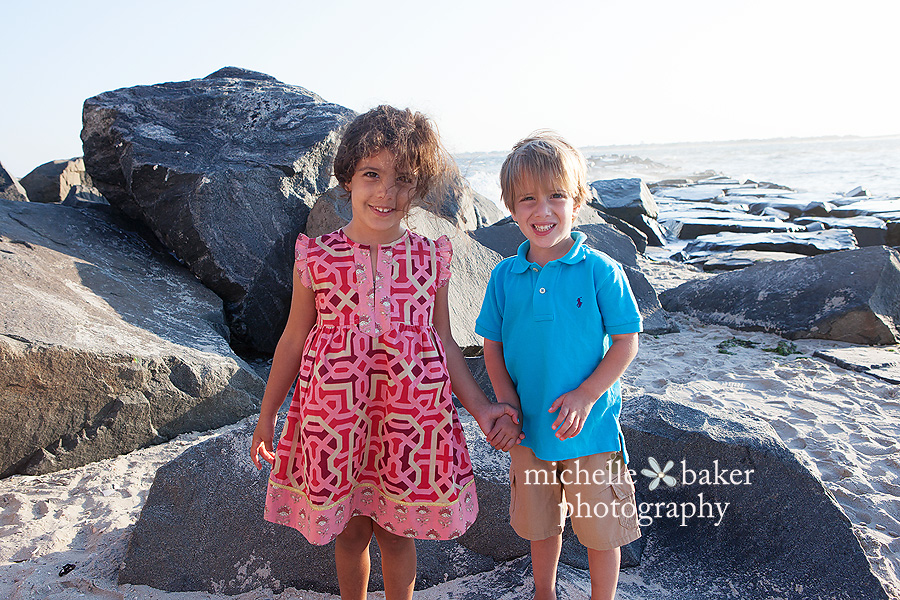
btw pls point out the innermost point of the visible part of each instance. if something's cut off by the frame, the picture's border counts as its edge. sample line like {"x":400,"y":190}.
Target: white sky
{"x":600,"y":72}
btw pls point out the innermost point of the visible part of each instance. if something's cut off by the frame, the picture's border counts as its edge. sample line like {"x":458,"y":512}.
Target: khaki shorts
{"x":596,"y":491}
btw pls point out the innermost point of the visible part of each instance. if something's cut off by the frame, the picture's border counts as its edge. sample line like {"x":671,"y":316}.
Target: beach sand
{"x":845,"y":425}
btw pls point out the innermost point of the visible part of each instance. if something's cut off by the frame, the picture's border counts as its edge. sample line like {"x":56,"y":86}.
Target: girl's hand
{"x":505,"y":434}
{"x":488,"y":414}
{"x":574,"y":408}
{"x":262,"y":443}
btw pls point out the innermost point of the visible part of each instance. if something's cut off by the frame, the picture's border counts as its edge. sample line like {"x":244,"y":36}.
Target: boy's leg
{"x":351,"y":558}
{"x":604,"y":569}
{"x":398,"y":564}
{"x":544,"y":564}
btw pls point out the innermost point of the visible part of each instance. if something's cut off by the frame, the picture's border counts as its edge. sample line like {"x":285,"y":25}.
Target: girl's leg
{"x":398,"y":564}
{"x":544,"y":564}
{"x":351,"y":557}
{"x":604,"y":569}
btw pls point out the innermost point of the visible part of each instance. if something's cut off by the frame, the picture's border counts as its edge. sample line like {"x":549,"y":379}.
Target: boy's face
{"x":544,"y":212}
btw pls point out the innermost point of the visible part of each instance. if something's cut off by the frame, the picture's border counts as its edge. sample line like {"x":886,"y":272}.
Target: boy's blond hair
{"x":546,"y":156}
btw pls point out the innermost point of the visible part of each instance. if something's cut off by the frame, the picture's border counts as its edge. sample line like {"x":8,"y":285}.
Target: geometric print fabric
{"x":371,"y":429}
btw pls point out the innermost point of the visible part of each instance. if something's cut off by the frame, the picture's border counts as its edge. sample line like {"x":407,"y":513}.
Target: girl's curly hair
{"x":410,"y":136}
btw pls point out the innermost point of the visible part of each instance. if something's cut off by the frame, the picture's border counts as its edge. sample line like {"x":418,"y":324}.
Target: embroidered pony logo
{"x":578,"y":302}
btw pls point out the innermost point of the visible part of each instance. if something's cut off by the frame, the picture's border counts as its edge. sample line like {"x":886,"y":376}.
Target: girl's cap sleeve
{"x":444,"y":256}
{"x":301,"y":250}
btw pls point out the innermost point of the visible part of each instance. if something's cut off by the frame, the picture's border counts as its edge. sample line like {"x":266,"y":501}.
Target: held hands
{"x":506,"y":433}
{"x":500,"y":421}
{"x":574,"y":408}
{"x":262,"y":443}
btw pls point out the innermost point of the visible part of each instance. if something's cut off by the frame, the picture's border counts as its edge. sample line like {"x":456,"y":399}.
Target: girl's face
{"x":380,"y":196}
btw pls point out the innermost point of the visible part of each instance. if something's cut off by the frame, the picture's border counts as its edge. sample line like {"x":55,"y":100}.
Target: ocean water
{"x":818,"y":165}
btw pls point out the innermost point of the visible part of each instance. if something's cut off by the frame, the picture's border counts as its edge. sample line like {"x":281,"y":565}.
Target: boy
{"x":560,"y":326}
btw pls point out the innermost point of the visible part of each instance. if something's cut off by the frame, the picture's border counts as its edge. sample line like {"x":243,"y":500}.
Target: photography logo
{"x":695,"y":508}
{"x":656,"y":474}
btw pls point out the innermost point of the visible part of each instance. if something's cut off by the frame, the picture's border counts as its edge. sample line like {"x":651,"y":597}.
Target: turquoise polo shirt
{"x":554,"y":323}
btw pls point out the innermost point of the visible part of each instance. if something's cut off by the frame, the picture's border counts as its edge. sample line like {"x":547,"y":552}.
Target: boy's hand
{"x":505,"y":434}
{"x":491,"y":412}
{"x":574,"y":408}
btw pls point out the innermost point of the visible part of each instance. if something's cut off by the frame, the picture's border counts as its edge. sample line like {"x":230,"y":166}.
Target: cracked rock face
{"x":105,"y":345}
{"x":850,"y":296}
{"x":224,"y":171}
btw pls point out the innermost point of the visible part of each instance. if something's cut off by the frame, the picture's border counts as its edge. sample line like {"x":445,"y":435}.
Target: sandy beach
{"x":64,"y":535}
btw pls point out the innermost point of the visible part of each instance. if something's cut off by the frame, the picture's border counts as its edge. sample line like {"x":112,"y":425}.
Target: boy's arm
{"x":505,"y":433}
{"x":464,"y":385}
{"x":575,"y":406}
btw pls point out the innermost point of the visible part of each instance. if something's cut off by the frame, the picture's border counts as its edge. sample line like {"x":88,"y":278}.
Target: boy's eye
{"x":526,"y":199}
{"x":558,"y":195}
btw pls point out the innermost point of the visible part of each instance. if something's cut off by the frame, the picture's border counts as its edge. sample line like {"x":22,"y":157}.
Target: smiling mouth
{"x":382,"y":209}
{"x":543,"y":228}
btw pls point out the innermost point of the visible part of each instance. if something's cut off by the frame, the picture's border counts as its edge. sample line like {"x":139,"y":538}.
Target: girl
{"x":372,"y":443}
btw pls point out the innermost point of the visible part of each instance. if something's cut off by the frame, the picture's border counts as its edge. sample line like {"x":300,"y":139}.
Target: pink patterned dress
{"x":371,"y":429}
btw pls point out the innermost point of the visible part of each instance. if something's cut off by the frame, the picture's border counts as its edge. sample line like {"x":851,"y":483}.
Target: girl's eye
{"x":405,"y":179}
{"x":370,"y":174}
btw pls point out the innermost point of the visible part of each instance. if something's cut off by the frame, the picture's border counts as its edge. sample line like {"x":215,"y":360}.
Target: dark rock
{"x":202,"y":528}
{"x":883,"y":208}
{"x":52,"y":181}
{"x":795,"y":208}
{"x":687,"y":228}
{"x":856,"y":192}
{"x":780,"y":526}
{"x":631,"y":201}
{"x":699,"y":193}
{"x":224,"y":170}
{"x":80,"y":196}
{"x":851,"y":296}
{"x":638,"y":237}
{"x":609,"y":241}
{"x":105,"y":346}
{"x":881,"y":363}
{"x":10,"y":188}
{"x":806,"y":243}
{"x":759,"y":192}
{"x":731,"y":261}
{"x":893,"y":233}
{"x":869,"y":231}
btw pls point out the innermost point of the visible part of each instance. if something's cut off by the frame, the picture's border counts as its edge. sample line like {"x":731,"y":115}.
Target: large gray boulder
{"x":10,"y":188}
{"x":851,"y":296}
{"x":224,"y":171}
{"x":744,"y":515}
{"x":52,"y":181}
{"x":105,"y":345}
{"x":202,"y":528}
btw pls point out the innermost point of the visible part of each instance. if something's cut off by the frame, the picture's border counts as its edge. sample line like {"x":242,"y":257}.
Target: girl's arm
{"x":464,"y":385}
{"x":575,"y":406}
{"x":506,"y":433}
{"x":285,"y":366}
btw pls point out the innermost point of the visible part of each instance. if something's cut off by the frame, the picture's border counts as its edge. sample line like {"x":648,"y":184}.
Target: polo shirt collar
{"x":575,"y":254}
